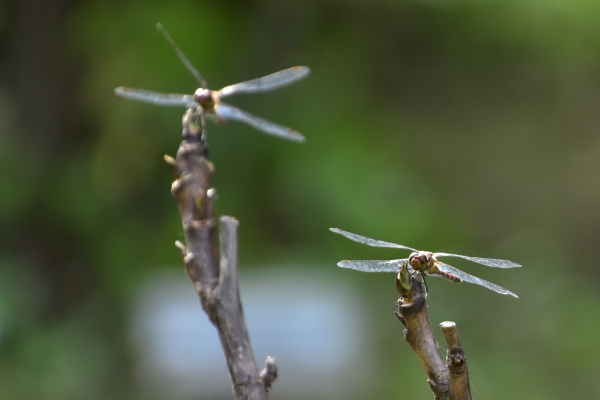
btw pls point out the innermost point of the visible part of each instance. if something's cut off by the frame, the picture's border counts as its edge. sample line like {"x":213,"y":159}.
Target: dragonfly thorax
{"x":420,"y":260}
{"x":205,"y":99}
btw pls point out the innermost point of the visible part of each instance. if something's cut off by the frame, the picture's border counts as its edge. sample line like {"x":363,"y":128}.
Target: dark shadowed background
{"x":457,"y":126}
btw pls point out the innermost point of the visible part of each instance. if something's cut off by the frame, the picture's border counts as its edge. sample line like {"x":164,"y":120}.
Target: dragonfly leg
{"x":421,"y":278}
{"x":194,"y":126}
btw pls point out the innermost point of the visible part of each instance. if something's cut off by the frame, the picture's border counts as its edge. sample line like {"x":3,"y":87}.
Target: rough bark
{"x":216,"y":282}
{"x":457,"y":363}
{"x":412,"y":312}
{"x":448,"y":380}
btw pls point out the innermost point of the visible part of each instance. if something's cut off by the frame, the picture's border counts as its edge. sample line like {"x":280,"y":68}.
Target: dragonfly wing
{"x":490,"y":262}
{"x":368,"y":241}
{"x":182,"y":56}
{"x":372,"y":265}
{"x":161,"y":99}
{"x":225,"y":111}
{"x":266,"y":83}
{"x":473,"y":279}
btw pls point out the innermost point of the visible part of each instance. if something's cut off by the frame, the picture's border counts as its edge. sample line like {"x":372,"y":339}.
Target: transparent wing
{"x":161,"y":99}
{"x":368,"y":241}
{"x":490,"y":262}
{"x":473,"y":279}
{"x":266,"y":83}
{"x":372,"y":265}
{"x":226,"y":112}
{"x":182,"y":56}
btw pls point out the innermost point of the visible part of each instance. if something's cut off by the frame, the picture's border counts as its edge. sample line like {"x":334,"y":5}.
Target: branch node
{"x":172,"y":163}
{"x":201,"y":224}
{"x":178,"y":187}
{"x":456,"y":362}
{"x":189,"y":258}
{"x":181,"y":248}
{"x":400,"y":317}
{"x":212,"y":194}
{"x":269,"y":373}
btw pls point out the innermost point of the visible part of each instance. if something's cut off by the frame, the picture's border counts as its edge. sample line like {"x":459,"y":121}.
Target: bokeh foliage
{"x":469,"y":127}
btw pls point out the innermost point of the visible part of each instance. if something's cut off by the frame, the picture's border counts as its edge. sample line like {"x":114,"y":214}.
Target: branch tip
{"x":407,"y":285}
{"x":226,"y":219}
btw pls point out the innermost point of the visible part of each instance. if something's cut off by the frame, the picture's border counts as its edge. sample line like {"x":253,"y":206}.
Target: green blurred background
{"x":457,"y":126}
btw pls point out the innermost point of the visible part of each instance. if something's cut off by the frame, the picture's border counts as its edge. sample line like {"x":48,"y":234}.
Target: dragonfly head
{"x":420,"y":260}
{"x":204,"y":97}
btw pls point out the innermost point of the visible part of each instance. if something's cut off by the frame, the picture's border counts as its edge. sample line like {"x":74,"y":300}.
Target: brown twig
{"x":457,"y":363}
{"x":412,"y":312}
{"x":216,"y":283}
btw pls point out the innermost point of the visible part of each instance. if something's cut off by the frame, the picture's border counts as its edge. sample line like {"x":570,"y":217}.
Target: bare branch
{"x":412,"y":309}
{"x":216,"y":283}
{"x":227,"y":315}
{"x":457,"y":363}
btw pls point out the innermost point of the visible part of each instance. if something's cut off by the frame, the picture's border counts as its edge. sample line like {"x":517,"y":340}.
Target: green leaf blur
{"x":458,"y":126}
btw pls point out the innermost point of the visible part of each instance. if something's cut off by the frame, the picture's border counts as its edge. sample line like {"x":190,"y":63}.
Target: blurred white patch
{"x":312,"y":327}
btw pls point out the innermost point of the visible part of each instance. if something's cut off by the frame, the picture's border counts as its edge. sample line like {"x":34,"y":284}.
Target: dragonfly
{"x":210,"y":100}
{"x":423,"y":263}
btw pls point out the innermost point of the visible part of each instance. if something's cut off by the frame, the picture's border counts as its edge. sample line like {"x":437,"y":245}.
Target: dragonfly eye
{"x":418,"y":260}
{"x":204,"y":97}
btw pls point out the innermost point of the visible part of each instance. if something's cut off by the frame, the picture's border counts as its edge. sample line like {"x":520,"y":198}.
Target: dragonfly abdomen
{"x":450,"y":277}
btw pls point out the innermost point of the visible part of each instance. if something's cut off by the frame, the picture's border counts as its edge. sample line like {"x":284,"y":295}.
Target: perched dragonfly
{"x":424,"y":263}
{"x":210,"y":101}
